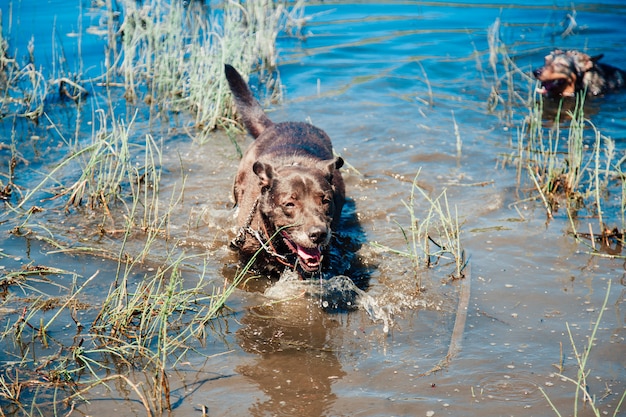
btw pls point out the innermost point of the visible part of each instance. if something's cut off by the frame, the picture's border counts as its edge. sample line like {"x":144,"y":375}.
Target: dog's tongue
{"x":310,"y":258}
{"x":542,"y":90}
{"x":309,"y":255}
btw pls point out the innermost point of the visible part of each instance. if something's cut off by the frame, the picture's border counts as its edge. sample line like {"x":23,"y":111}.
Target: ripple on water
{"x":510,"y":387}
{"x":552,"y":313}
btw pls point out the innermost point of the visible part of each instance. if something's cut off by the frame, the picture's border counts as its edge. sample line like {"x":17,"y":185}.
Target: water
{"x":400,"y":87}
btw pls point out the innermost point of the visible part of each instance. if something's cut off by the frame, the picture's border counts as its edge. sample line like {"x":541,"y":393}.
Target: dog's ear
{"x":329,"y":166}
{"x":596,"y":58}
{"x":338,"y":162}
{"x":265,"y":172}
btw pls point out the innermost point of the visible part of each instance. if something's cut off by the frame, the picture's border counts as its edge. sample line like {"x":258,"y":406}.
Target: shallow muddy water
{"x":401,"y":88}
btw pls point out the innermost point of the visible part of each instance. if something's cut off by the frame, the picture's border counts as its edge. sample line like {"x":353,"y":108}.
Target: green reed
{"x":105,"y":169}
{"x":145,"y":326}
{"x":432,"y":237}
{"x":172,"y":56}
{"x":583,"y":373}
{"x":564,"y":169}
{"x":25,"y":87}
{"x":554,"y":155}
{"x":505,"y":95}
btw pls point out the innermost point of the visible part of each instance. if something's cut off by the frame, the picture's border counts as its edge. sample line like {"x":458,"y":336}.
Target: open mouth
{"x":550,"y":86}
{"x":310,"y":259}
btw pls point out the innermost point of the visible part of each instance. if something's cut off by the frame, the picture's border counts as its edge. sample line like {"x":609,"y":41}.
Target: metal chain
{"x":238,"y":241}
{"x":266,"y":244}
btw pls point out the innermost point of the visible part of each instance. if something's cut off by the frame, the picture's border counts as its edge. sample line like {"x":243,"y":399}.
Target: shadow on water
{"x":345,"y":260}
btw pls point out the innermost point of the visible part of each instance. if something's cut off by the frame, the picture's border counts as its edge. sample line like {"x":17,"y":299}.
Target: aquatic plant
{"x":505,"y":95}
{"x":111,"y":182}
{"x":433,"y":237}
{"x":565,"y":170}
{"x":555,"y":154}
{"x":24,"y":87}
{"x":172,"y":56}
{"x":583,"y":373}
{"x":145,"y":326}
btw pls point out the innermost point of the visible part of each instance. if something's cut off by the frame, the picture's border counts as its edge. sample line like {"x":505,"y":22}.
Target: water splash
{"x":384,"y":305}
{"x":339,"y":294}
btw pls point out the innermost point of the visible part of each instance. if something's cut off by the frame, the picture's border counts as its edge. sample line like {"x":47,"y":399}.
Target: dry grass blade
{"x":133,"y":386}
{"x":456,"y":339}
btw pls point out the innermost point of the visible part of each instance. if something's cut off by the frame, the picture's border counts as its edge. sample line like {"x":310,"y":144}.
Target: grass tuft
{"x":167,"y":59}
{"x":566,"y":158}
{"x":434,"y":237}
{"x":172,"y":55}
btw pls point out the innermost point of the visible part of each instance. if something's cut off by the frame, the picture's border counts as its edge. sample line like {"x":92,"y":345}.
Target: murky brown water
{"x":394,"y":85}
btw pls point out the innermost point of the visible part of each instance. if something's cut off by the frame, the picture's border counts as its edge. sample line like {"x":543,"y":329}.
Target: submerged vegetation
{"x":583,"y":374}
{"x":168,"y":55}
{"x":576,"y":166}
{"x":433,"y":236}
{"x":562,"y":159}
{"x":164,"y":60}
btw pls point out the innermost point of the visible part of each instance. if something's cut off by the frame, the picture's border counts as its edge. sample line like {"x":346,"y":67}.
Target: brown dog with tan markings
{"x":288,"y":189}
{"x":566,"y":73}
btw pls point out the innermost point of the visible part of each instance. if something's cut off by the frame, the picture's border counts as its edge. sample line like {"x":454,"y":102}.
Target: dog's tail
{"x":254,"y":118}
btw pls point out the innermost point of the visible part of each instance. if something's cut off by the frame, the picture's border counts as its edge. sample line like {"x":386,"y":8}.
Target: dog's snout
{"x":318,"y":234}
{"x":537,"y":72}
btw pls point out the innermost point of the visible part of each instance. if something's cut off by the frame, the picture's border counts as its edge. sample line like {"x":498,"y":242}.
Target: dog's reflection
{"x":296,"y":362}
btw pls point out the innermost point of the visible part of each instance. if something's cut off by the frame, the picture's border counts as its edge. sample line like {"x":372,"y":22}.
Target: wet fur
{"x":290,"y":168}
{"x":567,"y":73}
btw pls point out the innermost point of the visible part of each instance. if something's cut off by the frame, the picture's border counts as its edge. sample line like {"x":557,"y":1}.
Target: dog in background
{"x":288,"y":189}
{"x":566,"y":73}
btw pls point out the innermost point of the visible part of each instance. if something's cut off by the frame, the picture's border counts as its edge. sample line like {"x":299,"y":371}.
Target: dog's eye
{"x":326,"y":200}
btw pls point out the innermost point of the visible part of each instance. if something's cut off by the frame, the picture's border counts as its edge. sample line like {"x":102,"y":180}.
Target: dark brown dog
{"x":288,"y":188}
{"x":566,"y":73}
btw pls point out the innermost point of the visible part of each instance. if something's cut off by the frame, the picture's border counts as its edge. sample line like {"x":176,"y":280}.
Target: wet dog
{"x":288,"y":189}
{"x":566,"y":73}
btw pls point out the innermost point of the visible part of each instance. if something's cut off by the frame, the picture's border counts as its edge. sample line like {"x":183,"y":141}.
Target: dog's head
{"x":563,"y":72}
{"x":299,"y":202}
